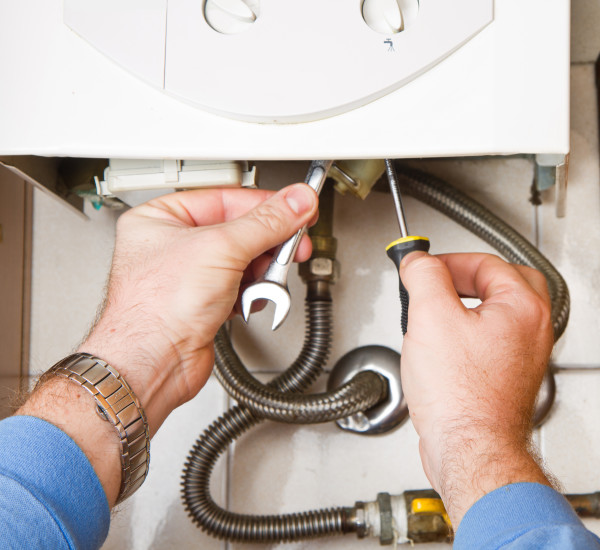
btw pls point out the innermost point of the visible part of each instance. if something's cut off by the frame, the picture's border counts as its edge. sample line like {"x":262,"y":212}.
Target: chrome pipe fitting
{"x":392,"y":410}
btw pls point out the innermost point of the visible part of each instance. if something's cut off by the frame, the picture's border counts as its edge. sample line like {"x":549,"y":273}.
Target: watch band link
{"x":117,"y":404}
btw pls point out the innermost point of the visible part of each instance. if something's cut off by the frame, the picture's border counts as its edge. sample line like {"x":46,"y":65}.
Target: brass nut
{"x":321,"y":267}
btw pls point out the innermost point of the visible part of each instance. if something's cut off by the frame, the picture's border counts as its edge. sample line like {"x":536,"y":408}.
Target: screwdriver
{"x":407,"y":243}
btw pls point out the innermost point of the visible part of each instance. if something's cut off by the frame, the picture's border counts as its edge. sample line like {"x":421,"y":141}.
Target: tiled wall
{"x":277,"y":468}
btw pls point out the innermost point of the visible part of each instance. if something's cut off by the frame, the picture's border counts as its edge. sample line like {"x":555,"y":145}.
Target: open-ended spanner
{"x":272,"y":285}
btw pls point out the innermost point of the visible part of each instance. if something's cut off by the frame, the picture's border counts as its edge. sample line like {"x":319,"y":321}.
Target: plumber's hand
{"x":471,"y":376}
{"x":178,"y":265}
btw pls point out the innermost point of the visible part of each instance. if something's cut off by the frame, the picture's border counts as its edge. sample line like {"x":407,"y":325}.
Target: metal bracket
{"x":553,"y":170}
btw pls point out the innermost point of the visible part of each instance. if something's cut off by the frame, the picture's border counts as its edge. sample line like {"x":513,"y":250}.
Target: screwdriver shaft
{"x":406,"y":244}
{"x":395,"y":189}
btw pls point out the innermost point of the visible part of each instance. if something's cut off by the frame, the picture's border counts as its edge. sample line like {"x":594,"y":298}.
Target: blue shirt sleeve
{"x":523,"y":516}
{"x":50,"y":496}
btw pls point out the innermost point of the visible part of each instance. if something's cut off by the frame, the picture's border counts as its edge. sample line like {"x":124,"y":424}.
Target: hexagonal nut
{"x":321,"y":267}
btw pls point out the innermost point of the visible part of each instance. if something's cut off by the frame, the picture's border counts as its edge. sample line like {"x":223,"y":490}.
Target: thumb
{"x":274,"y":220}
{"x":428,"y":283}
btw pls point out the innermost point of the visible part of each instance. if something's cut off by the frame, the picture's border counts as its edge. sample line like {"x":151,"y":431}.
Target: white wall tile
{"x":570,"y":439}
{"x":502,"y":184}
{"x":572,"y":243}
{"x":71,"y":260}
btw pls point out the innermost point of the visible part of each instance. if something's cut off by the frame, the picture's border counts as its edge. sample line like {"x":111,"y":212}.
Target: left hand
{"x":177,"y":268}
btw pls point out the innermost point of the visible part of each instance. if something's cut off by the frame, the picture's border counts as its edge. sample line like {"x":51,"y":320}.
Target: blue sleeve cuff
{"x":522,"y":515}
{"x":49,"y":469}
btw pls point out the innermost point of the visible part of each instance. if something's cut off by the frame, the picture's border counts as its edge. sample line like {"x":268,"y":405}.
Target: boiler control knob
{"x":231,"y":16}
{"x":389,"y":16}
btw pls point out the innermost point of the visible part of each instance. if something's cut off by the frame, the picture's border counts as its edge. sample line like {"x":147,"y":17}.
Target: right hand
{"x":178,"y":265}
{"x":471,"y":376}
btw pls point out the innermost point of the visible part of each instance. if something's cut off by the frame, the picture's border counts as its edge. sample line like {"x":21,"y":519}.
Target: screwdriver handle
{"x":396,"y":251}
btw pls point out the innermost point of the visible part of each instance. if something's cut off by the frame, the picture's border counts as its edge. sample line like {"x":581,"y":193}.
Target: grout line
{"x":27,"y":286}
{"x":576,"y":367}
{"x":582,"y":63}
{"x":229,"y":455}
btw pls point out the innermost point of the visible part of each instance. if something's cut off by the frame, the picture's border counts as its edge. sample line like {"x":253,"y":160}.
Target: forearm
{"x":144,"y":368}
{"x":71,"y":408}
{"x":144,"y":357}
{"x":469,"y":467}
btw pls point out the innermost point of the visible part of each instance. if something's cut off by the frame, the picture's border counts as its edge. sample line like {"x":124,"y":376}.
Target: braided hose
{"x":222,"y":432}
{"x":214,"y":441}
{"x":364,"y":391}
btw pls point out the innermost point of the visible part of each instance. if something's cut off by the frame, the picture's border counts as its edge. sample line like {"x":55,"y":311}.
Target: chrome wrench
{"x":272,"y":285}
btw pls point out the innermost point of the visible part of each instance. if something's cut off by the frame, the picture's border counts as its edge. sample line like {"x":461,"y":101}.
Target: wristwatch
{"x":117,"y":404}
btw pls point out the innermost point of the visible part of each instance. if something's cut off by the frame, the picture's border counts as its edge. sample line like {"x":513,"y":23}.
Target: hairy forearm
{"x":72,"y":409}
{"x":471,"y":466}
{"x":143,"y":359}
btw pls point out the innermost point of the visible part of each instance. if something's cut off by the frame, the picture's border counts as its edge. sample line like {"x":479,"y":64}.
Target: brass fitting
{"x":321,"y":270}
{"x":356,"y":177}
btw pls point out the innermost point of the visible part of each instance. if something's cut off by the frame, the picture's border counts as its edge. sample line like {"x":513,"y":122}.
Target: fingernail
{"x":300,"y":198}
{"x":412,"y":256}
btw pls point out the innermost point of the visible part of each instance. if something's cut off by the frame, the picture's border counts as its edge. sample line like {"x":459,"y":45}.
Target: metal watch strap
{"x":117,"y":404}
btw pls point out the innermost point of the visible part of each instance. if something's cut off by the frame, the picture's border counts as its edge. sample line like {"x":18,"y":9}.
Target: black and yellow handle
{"x":396,"y":251}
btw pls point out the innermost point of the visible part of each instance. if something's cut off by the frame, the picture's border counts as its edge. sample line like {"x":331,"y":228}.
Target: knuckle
{"x":530,"y":271}
{"x":536,"y":309}
{"x":491,"y":261}
{"x":534,"y":274}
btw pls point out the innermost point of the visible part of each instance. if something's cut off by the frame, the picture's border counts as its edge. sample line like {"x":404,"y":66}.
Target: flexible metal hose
{"x":215,"y":440}
{"x":364,"y":391}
